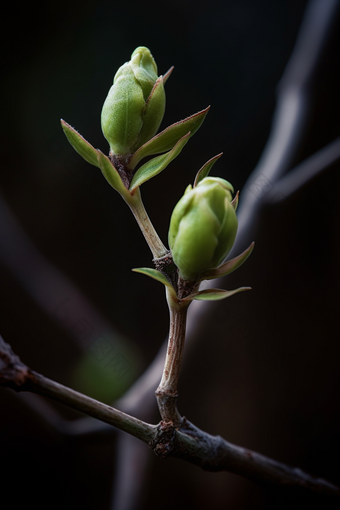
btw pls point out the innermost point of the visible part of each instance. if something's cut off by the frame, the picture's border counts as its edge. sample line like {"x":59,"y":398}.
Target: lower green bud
{"x":203,"y":227}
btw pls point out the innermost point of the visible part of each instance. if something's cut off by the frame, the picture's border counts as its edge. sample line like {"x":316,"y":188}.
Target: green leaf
{"x":80,"y":145}
{"x":168,"y":138}
{"x":153,"y":273}
{"x":167,"y":75}
{"x":111,"y":175}
{"x":204,"y":171}
{"x":214,"y":294}
{"x":157,"y":165}
{"x":234,"y":202}
{"x":229,"y":266}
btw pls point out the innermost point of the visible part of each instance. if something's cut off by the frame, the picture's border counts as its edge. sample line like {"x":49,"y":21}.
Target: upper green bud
{"x":203,"y":227}
{"x":134,"y":107}
{"x":145,"y":69}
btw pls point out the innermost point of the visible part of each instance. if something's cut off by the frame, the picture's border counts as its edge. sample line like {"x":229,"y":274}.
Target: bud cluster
{"x":203,"y":225}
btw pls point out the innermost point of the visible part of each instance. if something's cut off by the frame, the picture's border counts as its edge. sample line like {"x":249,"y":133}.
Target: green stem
{"x":166,"y":392}
{"x":137,"y":207}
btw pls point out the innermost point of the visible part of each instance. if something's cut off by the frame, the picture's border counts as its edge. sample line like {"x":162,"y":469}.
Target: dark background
{"x":265,"y":370}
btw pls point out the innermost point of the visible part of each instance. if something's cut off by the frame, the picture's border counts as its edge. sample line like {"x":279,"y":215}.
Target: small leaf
{"x":234,"y":202}
{"x":111,"y":175}
{"x":229,"y":266}
{"x":204,"y":171}
{"x":153,"y":273}
{"x":80,"y":145}
{"x":214,"y":294}
{"x":167,"y":75}
{"x":157,"y":165}
{"x":168,"y":138}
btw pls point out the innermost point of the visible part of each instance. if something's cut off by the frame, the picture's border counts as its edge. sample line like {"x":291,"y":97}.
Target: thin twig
{"x":189,"y":443}
{"x":16,"y":375}
{"x":167,"y":391}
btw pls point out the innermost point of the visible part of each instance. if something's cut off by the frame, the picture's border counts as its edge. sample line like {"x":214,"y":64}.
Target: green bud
{"x":203,"y":227}
{"x":134,"y":107}
{"x":145,"y":69}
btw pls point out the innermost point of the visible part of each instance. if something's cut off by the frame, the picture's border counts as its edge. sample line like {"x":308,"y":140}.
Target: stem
{"x":213,"y":453}
{"x":155,"y":244}
{"x":166,"y":392}
{"x":44,"y":386}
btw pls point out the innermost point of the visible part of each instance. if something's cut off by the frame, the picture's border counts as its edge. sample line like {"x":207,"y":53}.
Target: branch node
{"x":167,"y":267}
{"x":164,"y":442}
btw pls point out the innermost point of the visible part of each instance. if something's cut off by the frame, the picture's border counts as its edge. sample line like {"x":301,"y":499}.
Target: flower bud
{"x":134,"y":107}
{"x":203,"y":227}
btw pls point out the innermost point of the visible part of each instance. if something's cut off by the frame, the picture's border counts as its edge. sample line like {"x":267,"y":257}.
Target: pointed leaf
{"x":111,"y":175}
{"x":167,"y":75}
{"x":80,"y":145}
{"x":153,"y":273}
{"x":234,"y":202}
{"x":229,"y":266}
{"x":204,"y":171}
{"x":214,"y":294}
{"x":157,"y":165}
{"x":167,"y":139}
